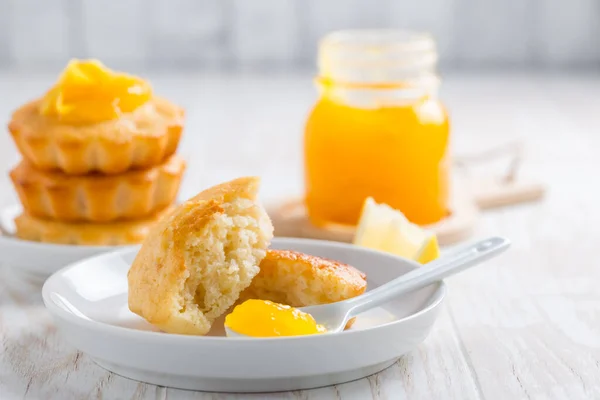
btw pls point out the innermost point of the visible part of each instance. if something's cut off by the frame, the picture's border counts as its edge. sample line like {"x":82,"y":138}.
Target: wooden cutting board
{"x":469,"y":198}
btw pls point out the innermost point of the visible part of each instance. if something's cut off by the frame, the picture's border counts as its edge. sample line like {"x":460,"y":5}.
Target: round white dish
{"x":37,"y":261}
{"x":88,"y":301}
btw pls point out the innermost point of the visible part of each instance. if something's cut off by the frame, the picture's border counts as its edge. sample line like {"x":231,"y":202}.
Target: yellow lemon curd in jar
{"x":377,"y":130}
{"x":263,"y":318}
{"x":88,"y":92}
{"x":397,"y":154}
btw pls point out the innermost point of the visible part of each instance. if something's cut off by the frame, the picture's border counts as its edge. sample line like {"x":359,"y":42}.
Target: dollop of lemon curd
{"x":88,"y":92}
{"x":262,"y":318}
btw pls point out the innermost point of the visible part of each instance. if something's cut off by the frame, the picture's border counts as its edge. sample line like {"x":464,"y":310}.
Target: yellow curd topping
{"x":261,"y":318}
{"x":89,"y":92}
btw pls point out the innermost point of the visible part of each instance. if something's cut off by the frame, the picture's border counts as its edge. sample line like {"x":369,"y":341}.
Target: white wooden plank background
{"x":187,"y":32}
{"x":39,"y":32}
{"x":115,"y":32}
{"x":526,"y":325}
{"x":36,"y":34}
{"x":440,"y":17}
{"x":490,"y":32}
{"x":568,"y":35}
{"x":258,"y":39}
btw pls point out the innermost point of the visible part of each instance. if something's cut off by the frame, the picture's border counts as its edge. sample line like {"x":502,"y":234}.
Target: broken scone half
{"x":197,"y":260}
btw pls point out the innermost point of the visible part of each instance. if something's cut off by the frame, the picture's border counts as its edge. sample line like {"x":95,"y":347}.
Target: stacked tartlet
{"x":99,"y":164}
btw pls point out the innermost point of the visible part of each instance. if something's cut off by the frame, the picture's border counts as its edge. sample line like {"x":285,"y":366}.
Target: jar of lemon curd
{"x":378,"y":128}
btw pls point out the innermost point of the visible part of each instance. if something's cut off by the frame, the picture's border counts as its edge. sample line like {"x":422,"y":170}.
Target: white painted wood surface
{"x":526,"y":325}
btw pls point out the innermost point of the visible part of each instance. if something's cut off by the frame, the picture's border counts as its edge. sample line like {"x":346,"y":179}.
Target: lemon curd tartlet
{"x":97,"y":198}
{"x":97,"y":120}
{"x":87,"y":234}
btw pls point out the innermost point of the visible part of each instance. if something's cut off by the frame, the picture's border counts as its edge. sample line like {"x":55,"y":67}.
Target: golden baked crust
{"x":195,"y":262}
{"x":97,"y":198}
{"x":109,"y":234}
{"x":140,"y":139}
{"x":300,"y":280}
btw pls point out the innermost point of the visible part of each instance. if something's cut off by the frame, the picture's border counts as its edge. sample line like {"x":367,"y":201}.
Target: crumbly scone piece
{"x":119,"y":233}
{"x":135,"y":194}
{"x":138,"y":139}
{"x":300,"y":280}
{"x":194,"y":264}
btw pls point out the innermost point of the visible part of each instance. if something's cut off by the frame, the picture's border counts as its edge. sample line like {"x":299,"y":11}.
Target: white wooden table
{"x":527,"y":325}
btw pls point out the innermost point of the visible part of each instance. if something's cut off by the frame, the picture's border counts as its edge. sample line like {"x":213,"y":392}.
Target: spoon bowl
{"x":233,"y":334}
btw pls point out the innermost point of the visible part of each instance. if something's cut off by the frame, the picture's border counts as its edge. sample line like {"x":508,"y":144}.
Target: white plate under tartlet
{"x":88,"y":301}
{"x":36,"y":261}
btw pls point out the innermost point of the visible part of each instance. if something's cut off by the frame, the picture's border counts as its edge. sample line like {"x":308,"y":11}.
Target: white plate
{"x":89,"y":303}
{"x":35,"y":260}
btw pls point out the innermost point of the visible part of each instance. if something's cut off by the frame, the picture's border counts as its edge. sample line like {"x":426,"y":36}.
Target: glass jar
{"x":378,"y":128}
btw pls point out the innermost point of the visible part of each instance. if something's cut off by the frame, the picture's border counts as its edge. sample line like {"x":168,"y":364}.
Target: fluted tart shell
{"x":139,"y":139}
{"x":98,"y":198}
{"x":91,"y":234}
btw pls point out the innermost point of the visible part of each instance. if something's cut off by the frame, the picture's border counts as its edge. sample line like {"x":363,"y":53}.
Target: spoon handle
{"x":429,"y":273}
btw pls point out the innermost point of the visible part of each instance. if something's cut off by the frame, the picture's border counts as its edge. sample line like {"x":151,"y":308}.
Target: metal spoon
{"x":334,"y":316}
